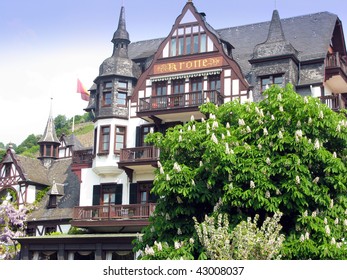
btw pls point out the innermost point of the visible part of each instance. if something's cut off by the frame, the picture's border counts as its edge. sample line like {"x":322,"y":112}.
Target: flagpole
{"x":73,"y":124}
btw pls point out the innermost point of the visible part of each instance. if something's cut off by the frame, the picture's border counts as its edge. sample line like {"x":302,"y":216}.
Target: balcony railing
{"x":84,"y":156}
{"x":109,"y":212}
{"x":182,"y":100}
{"x":332,"y":101}
{"x":334,"y":60}
{"x":139,"y":154}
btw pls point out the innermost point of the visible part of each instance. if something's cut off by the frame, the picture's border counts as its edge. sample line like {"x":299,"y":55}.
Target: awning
{"x":185,"y":75}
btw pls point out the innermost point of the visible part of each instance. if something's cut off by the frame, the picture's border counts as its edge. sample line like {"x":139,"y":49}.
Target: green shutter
{"x":119,"y":194}
{"x":96,"y":195}
{"x":133,"y":193}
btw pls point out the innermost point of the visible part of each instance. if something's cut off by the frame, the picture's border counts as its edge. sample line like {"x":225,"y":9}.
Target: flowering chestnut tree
{"x":11,"y":226}
{"x":283,"y":154}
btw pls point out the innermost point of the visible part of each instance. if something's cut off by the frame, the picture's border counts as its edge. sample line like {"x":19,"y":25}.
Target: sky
{"x":46,"y":45}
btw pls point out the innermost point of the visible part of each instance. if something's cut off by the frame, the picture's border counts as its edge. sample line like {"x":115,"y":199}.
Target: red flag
{"x":82,"y":90}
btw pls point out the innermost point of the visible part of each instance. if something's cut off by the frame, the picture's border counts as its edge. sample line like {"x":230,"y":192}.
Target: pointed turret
{"x":119,"y":63}
{"x":49,"y":141}
{"x":275,"y":44}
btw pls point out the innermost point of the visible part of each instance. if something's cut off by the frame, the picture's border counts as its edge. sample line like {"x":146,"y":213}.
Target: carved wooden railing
{"x":84,"y":156}
{"x":334,"y":60}
{"x":182,"y":100}
{"x":108,"y":212}
{"x":138,"y":154}
{"x":332,"y":101}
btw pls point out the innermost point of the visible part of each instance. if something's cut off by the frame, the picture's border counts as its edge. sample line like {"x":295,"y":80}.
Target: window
{"x":188,"y":39}
{"x":177,"y":88}
{"x":107,"y":94}
{"x":144,"y":131}
{"x":145,"y":195}
{"x":104,"y":140}
{"x":120,"y":138}
{"x":270,"y":80}
{"x":52,"y":203}
{"x":111,"y":194}
{"x":8,"y":169}
{"x":214,"y":85}
{"x":122,"y":93}
{"x":160,"y":90}
{"x":196,"y":91}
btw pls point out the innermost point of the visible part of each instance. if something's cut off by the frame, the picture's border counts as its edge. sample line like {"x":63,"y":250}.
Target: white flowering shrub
{"x":283,"y":154}
{"x":245,"y":242}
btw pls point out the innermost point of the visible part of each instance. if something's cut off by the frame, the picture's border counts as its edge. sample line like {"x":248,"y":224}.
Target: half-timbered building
{"x":156,"y":84}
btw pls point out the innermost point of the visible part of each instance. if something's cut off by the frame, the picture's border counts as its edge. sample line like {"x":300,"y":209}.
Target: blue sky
{"x":46,"y":45}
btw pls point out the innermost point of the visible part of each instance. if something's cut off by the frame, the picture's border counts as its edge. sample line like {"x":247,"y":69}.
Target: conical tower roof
{"x":121,"y":32}
{"x":49,"y":135}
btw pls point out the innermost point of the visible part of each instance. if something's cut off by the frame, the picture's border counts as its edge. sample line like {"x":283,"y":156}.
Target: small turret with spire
{"x":49,"y":141}
{"x":120,"y":38}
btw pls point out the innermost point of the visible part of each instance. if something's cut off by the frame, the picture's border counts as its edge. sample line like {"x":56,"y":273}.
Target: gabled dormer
{"x":192,"y":65}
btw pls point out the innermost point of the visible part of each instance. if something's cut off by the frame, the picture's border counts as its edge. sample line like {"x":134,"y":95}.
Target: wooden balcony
{"x":174,"y":107}
{"x":336,"y":73}
{"x":113,"y":218}
{"x":82,"y":157}
{"x":139,"y":159}
{"x":332,"y":101}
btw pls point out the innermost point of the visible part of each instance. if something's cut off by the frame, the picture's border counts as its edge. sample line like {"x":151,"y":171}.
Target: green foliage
{"x":284,"y":154}
{"x":29,"y":143}
{"x":84,"y":129}
{"x":2,"y":146}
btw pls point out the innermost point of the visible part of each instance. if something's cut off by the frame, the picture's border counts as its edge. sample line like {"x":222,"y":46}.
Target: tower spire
{"x":120,"y":38}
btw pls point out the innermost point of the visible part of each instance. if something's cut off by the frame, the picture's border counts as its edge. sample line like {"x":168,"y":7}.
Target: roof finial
{"x":51,"y":108}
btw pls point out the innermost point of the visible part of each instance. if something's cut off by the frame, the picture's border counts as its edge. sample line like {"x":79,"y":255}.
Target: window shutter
{"x":138,"y":137}
{"x":96,"y":195}
{"x":119,"y":194}
{"x":133,"y":193}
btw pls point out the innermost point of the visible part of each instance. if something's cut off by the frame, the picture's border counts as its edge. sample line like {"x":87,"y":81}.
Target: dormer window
{"x":267,"y":81}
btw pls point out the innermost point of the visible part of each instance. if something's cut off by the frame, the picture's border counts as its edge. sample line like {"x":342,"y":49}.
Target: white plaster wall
{"x":227,"y":86}
{"x":236,"y":87}
{"x":65,"y":228}
{"x":316,"y":91}
{"x":31,"y":194}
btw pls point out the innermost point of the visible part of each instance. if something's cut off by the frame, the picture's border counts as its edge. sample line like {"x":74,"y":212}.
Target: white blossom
{"x":316,"y":144}
{"x":241,"y":122}
{"x":192,"y":118}
{"x":331,"y":203}
{"x":321,"y":115}
{"x":333,"y":241}
{"x":214,"y":138}
{"x":167,"y":217}
{"x":268,"y":161}
{"x":228,"y":125}
{"x":251,"y":185}
{"x":180,"y":138}
{"x":248,"y":129}
{"x":193,"y":127}
{"x":298,"y":124}
{"x":327,"y":229}
{"x":179,"y":200}
{"x":223,"y":136}
{"x":272,"y":117}
{"x":177,"y":167}
{"x":227,"y":150}
{"x":228,"y":133}
{"x":265,"y":131}
{"x":167,"y":177}
{"x":161,"y":170}
{"x":325,"y":221}
{"x":212,"y":117}
{"x":305,"y":213}
{"x":334,"y":155}
{"x":177,"y":245}
{"x":179,"y":231}
{"x":307,"y":235}
{"x":201,"y":164}
{"x":315,"y":180}
{"x":214,"y":125}
{"x":314,"y":214}
{"x":189,"y":128}
{"x":302,"y":238}
{"x":280,"y":135}
{"x":345,"y":222}
{"x":193,"y":182}
{"x":305,"y":100}
{"x":278,"y":192}
{"x":159,"y":164}
{"x":338,"y":128}
{"x":149,"y":251}
{"x":281,"y":108}
{"x":309,"y":120}
{"x":297,"y":180}
{"x":279,"y":97}
{"x":202,"y":120}
{"x":260,"y":146}
{"x":336,"y":222}
{"x":191,"y":240}
{"x":267,"y":194}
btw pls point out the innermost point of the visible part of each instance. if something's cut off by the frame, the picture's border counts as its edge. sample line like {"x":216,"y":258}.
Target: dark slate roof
{"x":49,"y":134}
{"x":71,"y":140}
{"x":309,"y":34}
{"x":68,"y":189}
